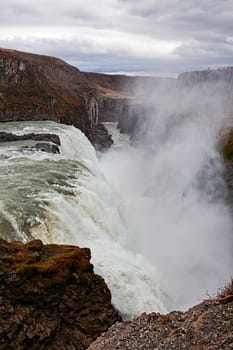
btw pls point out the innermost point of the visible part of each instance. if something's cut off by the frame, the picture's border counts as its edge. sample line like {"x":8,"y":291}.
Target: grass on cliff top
{"x":226,"y":294}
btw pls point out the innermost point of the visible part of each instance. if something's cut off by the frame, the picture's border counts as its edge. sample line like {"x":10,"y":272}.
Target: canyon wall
{"x":215,"y":75}
{"x":36,"y":87}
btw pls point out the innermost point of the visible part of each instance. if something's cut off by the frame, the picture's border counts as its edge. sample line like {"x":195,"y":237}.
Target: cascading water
{"x":64,"y":198}
{"x":159,"y":231}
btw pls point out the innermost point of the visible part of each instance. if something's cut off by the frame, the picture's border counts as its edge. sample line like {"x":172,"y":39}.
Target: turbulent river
{"x":158,"y":241}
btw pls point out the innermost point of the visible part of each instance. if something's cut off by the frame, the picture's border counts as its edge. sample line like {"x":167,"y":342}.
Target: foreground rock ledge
{"x":208,"y":325}
{"x":50,"y":297}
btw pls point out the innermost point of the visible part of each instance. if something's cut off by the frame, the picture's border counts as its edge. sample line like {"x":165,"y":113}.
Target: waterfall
{"x":152,"y":213}
{"x":170,"y":193}
{"x":65,"y":198}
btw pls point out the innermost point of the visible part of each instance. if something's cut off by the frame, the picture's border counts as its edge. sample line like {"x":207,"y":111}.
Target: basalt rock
{"x":50,"y":297}
{"x":208,"y":325}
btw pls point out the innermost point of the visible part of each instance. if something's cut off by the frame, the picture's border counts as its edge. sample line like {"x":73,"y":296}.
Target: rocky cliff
{"x":50,"y":297}
{"x":36,"y":87}
{"x":124,"y":99}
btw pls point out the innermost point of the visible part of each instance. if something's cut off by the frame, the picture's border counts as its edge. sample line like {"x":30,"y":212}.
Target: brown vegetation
{"x":50,"y":297}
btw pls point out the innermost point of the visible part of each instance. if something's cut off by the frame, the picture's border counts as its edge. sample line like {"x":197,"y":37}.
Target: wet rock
{"x":50,"y":297}
{"x":47,"y":147}
{"x":9,"y":137}
{"x":100,"y":137}
{"x":43,"y":147}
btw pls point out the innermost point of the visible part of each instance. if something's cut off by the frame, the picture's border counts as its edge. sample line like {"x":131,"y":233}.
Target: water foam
{"x":66,"y":199}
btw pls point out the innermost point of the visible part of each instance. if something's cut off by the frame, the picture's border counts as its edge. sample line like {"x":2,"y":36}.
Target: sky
{"x":149,"y":37}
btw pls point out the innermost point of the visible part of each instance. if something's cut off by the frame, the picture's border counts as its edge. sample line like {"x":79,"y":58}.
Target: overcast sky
{"x":155,"y":37}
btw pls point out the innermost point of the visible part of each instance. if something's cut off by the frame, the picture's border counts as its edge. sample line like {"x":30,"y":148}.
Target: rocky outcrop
{"x":100,"y":137}
{"x":50,"y":297}
{"x":44,"y":147}
{"x":208,"y":325}
{"x":9,"y":137}
{"x":50,"y":146}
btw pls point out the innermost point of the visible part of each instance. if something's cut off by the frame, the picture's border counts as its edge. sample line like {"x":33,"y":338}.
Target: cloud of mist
{"x":171,"y":189}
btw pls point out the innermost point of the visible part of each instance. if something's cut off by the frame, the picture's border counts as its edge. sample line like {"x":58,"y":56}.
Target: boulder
{"x":9,"y":137}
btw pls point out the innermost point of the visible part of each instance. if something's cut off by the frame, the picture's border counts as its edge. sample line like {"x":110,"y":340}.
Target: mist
{"x":170,"y":189}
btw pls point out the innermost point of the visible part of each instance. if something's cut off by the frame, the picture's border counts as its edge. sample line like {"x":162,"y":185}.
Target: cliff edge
{"x":50,"y":297}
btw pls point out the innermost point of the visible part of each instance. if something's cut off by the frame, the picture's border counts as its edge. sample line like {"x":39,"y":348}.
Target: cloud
{"x":151,"y":36}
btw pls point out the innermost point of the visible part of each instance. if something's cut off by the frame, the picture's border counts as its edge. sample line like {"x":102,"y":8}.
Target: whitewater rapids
{"x":152,"y":213}
{"x":65,"y":198}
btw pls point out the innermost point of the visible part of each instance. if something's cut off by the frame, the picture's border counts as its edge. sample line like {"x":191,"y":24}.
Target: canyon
{"x":37,"y":87}
{"x":50,"y":296}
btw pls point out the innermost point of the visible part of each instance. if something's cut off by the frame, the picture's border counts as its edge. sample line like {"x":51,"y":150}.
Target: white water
{"x":159,"y":233}
{"x":66,"y":199}
{"x":170,"y":192}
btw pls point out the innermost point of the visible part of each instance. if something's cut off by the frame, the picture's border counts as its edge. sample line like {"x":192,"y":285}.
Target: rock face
{"x":124,"y":99}
{"x":50,"y":297}
{"x":208,"y":325}
{"x":36,"y":87}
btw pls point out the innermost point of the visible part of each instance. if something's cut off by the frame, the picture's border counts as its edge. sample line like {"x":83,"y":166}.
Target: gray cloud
{"x":152,"y":36}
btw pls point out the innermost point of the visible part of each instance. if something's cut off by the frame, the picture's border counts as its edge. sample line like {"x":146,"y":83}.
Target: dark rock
{"x":46,"y":147}
{"x":100,"y":137}
{"x":50,"y":297}
{"x":8,"y":137}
